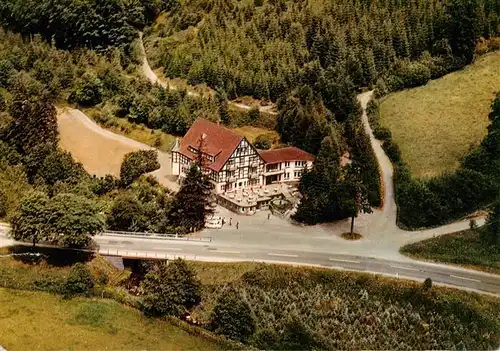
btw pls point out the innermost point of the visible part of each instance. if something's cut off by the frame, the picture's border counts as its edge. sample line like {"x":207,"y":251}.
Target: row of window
{"x":296,"y":175}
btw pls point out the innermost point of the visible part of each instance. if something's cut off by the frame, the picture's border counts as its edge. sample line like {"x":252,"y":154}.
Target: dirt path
{"x":383,"y":222}
{"x":100,"y":151}
{"x":153,"y":78}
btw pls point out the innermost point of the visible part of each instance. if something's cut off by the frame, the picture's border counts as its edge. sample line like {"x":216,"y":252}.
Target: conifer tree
{"x":194,"y":202}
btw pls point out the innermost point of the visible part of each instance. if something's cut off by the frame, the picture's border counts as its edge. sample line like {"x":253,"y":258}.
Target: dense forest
{"x":266,"y":48}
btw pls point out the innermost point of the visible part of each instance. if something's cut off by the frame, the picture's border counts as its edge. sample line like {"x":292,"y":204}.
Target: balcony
{"x":273,"y":171}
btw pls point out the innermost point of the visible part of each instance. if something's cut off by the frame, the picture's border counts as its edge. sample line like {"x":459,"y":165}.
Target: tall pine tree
{"x":194,"y":202}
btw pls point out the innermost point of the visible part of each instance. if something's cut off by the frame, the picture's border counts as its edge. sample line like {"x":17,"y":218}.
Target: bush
{"x":3,"y":204}
{"x":89,"y":92}
{"x":138,"y":163}
{"x":232,"y":316}
{"x":170,"y":288}
{"x":80,"y":281}
{"x":382,"y":133}
{"x":427,"y":284}
{"x":264,"y":141}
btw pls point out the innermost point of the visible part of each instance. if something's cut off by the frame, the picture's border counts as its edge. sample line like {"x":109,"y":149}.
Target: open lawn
{"x":436,"y":125}
{"x":463,"y":248}
{"x":41,"y":321}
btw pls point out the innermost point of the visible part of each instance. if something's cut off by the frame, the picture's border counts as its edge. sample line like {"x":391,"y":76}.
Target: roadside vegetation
{"x":463,"y":248}
{"x":437,"y":125}
{"x":477,"y":248}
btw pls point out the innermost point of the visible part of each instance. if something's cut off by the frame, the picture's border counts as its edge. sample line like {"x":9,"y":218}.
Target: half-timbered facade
{"x":232,"y":162}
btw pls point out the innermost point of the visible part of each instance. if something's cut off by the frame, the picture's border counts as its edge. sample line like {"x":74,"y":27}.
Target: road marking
{"x":167,"y":248}
{"x":464,"y":278}
{"x":229,"y":252}
{"x":282,"y":255}
{"x":347,"y":261}
{"x":407,"y":268}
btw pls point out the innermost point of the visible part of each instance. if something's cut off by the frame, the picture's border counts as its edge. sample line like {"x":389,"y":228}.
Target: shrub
{"x":232,"y":316}
{"x":382,"y":133}
{"x":80,"y":281}
{"x":3,"y":204}
{"x":427,"y":283}
{"x":88,"y":92}
{"x":170,"y":288}
{"x":264,"y":141}
{"x":138,"y":163}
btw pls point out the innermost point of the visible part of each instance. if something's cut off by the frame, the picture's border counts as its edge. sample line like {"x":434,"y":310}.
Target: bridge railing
{"x":165,"y":236}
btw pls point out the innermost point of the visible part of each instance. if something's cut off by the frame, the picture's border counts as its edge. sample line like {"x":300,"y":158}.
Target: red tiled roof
{"x":286,"y":154}
{"x":218,"y":141}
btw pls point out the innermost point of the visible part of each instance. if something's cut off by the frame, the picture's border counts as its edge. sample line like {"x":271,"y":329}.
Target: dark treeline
{"x":266,"y":48}
{"x":95,"y":24}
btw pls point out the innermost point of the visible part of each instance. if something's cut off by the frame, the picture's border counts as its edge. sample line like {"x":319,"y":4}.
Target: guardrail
{"x":164,"y":236}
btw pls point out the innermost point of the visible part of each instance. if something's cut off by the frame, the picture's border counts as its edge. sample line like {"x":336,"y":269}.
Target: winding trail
{"x":153,"y":78}
{"x":386,"y":219}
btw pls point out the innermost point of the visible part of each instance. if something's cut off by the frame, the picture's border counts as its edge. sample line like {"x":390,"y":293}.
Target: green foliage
{"x":320,"y":201}
{"x":467,"y":248}
{"x":80,"y":281}
{"x":304,"y":309}
{"x":34,"y":122}
{"x":267,"y":48}
{"x":232,"y":316}
{"x":66,"y":219}
{"x":301,"y":120}
{"x":170,"y":289}
{"x":490,"y":234}
{"x":264,"y":141}
{"x":138,"y":163}
{"x":88,"y":92}
{"x":427,"y":284}
{"x":72,"y":24}
{"x":127,"y":214}
{"x":59,"y":166}
{"x":193,"y":202}
{"x":463,"y":26}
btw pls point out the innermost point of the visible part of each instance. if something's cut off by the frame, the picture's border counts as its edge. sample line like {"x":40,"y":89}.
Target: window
{"x":287,"y":164}
{"x":287,"y":175}
{"x":297,"y":174}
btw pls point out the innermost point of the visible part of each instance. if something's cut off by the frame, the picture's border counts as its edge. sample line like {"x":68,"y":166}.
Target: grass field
{"x":251,"y":133}
{"x":436,"y":125}
{"x":41,"y":321}
{"x":463,"y":248}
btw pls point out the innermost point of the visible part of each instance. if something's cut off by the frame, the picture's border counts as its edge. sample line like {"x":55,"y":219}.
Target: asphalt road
{"x":211,"y":251}
{"x":453,"y":276}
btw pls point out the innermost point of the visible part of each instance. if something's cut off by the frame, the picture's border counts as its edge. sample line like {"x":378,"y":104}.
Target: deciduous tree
{"x":170,"y":289}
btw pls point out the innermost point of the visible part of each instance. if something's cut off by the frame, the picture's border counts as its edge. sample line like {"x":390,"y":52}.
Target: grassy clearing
{"x":251,"y":133}
{"x":36,"y":320}
{"x":436,"y":125}
{"x":463,"y":248}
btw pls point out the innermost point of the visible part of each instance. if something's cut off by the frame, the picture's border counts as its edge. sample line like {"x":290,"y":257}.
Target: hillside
{"x":37,"y":320}
{"x":438,"y":124}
